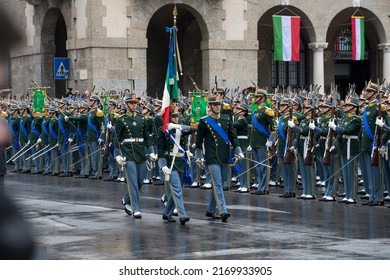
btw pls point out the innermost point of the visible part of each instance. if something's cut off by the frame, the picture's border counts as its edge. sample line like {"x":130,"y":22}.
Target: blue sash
{"x":93,"y":127}
{"x":44,"y":129}
{"x":23,"y":129}
{"x":62,"y":128}
{"x":280,"y":130}
{"x":225,"y":137}
{"x":52,"y":132}
{"x":187,"y":175}
{"x":259,"y":127}
{"x":34,"y":130}
{"x":15,"y":134}
{"x":80,"y":147}
{"x":367,"y":126}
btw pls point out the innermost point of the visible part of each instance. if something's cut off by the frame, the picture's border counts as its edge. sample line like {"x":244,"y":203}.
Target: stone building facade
{"x":118,"y":44}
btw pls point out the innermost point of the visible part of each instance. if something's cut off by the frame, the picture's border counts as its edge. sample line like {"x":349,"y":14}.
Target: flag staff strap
{"x":285,"y":8}
{"x":357,"y":10}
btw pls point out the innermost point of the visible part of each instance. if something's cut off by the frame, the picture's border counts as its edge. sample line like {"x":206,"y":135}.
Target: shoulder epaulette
{"x":99,"y":113}
{"x":269,"y":112}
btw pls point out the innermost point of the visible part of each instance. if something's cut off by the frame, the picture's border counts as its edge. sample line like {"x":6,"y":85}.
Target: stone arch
{"x":192,"y":31}
{"x":356,"y":72}
{"x":265,"y":38}
{"x":53,"y":44}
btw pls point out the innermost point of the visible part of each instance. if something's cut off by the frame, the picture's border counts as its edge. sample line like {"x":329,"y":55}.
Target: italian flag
{"x":358,"y":47}
{"x":286,"y":37}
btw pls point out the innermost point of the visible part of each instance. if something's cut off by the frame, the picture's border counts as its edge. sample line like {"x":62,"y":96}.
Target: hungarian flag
{"x":358,"y":46}
{"x":286,"y":37}
{"x":171,"y":88}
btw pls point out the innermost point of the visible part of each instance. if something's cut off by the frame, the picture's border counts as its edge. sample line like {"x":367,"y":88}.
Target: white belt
{"x":323,"y":137}
{"x":351,"y":137}
{"x":176,"y":154}
{"x":242,"y":137}
{"x":303,"y":137}
{"x":132,"y":140}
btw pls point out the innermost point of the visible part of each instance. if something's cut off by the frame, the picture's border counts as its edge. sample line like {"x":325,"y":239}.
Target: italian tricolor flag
{"x":358,"y":47}
{"x":286,"y":37}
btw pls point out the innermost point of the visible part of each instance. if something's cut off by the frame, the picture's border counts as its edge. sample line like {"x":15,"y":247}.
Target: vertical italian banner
{"x":358,"y":46}
{"x":286,"y":37}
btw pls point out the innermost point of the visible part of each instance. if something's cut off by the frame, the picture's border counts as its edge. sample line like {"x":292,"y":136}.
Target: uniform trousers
{"x":217,"y":197}
{"x":386,"y":175}
{"x":350,"y":178}
{"x":288,"y":174}
{"x":94,"y":155}
{"x":260,"y":155}
{"x":373,"y":178}
{"x":64,"y":157}
{"x":307,"y":175}
{"x":331,"y":178}
{"x":175,"y":195}
{"x":134,"y":178}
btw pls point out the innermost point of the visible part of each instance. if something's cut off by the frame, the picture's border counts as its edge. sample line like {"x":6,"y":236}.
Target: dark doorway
{"x":189,"y":39}
{"x":60,"y":37}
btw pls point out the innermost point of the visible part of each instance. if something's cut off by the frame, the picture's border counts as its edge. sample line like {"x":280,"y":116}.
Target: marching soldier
{"x":35,"y":141}
{"x":261,"y":139}
{"x":173,"y":162}
{"x":110,"y":118}
{"x":216,"y":132}
{"x":370,"y":115}
{"x":53,"y":142}
{"x":44,"y":141}
{"x":132,"y":137}
{"x":241,"y":126}
{"x":64,"y":135}
{"x":24,"y":131}
{"x":348,"y":136}
{"x":14,"y":122}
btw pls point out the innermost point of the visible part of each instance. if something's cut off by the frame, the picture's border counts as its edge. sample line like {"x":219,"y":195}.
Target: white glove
{"x":239,"y":156}
{"x":291,"y":123}
{"x":173,"y":126}
{"x":189,"y":154}
{"x":100,"y":141}
{"x":109,"y":125}
{"x":379,"y":122}
{"x":39,"y":140}
{"x":382,"y":150}
{"x":332,"y":125}
{"x":153,"y":157}
{"x":166,"y":170}
{"x":292,"y":149}
{"x":200,"y":163}
{"x":332,"y":149}
{"x":268,"y":144}
{"x":70,"y":140}
{"x":120,"y":160}
{"x":312,"y":126}
{"x":249,"y":149}
{"x":66,"y":118}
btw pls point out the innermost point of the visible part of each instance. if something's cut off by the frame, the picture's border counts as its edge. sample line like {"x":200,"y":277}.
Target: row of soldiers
{"x":275,"y":135}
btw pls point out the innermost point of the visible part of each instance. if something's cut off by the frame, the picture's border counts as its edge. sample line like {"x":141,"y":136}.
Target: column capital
{"x":318,"y":46}
{"x":384,"y":47}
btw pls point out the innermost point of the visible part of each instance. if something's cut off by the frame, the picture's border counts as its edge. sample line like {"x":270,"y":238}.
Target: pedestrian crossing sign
{"x":61,"y":68}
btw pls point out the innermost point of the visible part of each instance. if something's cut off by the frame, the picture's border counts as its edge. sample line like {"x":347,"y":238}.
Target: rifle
{"x":329,"y":138}
{"x":377,"y":136}
{"x":308,"y":160}
{"x":287,"y":153}
{"x":106,"y":151}
{"x":277,"y":103}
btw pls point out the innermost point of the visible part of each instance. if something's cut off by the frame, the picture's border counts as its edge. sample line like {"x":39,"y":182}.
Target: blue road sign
{"x":61,"y":68}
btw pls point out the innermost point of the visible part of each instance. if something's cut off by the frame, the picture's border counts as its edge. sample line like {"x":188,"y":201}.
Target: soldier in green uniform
{"x":24,"y":131}
{"x":110,"y":118}
{"x":35,"y":141}
{"x":173,"y":161}
{"x":13,"y":121}
{"x":95,"y":136}
{"x":148,"y":111}
{"x":44,"y":142}
{"x":348,"y":136}
{"x":216,"y":132}
{"x":240,"y":124}
{"x":370,"y":115}
{"x":53,"y":141}
{"x":262,"y":136}
{"x":65,"y":132}
{"x":132,"y":136}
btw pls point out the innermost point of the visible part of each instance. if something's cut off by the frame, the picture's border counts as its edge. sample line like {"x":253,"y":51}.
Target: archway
{"x":53,"y":36}
{"x":273,"y":73}
{"x":346,"y":71}
{"x":189,"y":39}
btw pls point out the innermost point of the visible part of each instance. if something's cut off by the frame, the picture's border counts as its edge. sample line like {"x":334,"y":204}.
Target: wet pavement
{"x":84,"y":219}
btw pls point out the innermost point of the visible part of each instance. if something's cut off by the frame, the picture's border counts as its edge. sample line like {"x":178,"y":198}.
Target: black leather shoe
{"x":93,"y":177}
{"x":288,"y":195}
{"x":80,"y":176}
{"x":225,"y":216}
{"x":212,"y":215}
{"x":364,"y":197}
{"x":109,"y":179}
{"x":184,"y":220}
{"x":169,"y":219}
{"x":54,"y":174}
{"x":45,"y":173}
{"x":373,"y":204}
{"x":64,"y":175}
{"x":260,"y":193}
{"x":366,"y":203}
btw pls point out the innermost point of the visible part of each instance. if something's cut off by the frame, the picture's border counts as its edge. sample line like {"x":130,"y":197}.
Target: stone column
{"x":386,"y":60}
{"x":318,"y":63}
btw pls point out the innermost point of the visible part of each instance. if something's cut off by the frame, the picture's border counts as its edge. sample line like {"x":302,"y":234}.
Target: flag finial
{"x":174,"y":15}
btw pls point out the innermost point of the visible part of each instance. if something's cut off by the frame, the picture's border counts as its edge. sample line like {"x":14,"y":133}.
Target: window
{"x":290,"y":73}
